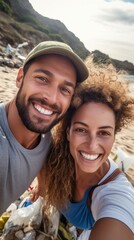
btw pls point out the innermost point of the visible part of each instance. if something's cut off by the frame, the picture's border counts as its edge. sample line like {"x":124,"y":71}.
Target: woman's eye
{"x":104,"y":133}
{"x":81,"y":130}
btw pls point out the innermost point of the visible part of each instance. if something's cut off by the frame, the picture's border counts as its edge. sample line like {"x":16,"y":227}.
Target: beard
{"x":23,"y":110}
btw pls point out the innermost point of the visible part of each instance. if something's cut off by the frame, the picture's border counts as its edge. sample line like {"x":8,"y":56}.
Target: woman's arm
{"x":113,"y":210}
{"x":110,"y":229}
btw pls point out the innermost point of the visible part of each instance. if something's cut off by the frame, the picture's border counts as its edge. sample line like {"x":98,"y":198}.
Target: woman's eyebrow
{"x":84,"y":124}
{"x":106,"y":127}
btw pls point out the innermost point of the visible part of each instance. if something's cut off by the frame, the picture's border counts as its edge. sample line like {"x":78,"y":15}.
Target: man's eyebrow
{"x":70,"y":84}
{"x":50,"y":74}
{"x":44,"y":71}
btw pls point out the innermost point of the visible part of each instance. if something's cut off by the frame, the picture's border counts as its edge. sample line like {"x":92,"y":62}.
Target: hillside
{"x":122,"y":67}
{"x":20,"y":23}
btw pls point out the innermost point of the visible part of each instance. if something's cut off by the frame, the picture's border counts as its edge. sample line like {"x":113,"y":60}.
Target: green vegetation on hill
{"x":5,"y":6}
{"x":19,"y":23}
{"x":120,"y":66}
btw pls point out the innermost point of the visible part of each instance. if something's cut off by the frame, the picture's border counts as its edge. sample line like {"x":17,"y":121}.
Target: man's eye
{"x":43,"y":79}
{"x":66,"y":90}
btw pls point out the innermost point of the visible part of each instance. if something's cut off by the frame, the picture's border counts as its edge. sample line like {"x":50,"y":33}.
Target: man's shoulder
{"x":1,"y":106}
{"x":2,"y":118}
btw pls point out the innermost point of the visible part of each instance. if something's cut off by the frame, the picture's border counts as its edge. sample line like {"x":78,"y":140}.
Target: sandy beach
{"x":124,"y":140}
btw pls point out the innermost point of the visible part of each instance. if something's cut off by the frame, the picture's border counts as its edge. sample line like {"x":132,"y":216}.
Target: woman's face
{"x":91,"y":136}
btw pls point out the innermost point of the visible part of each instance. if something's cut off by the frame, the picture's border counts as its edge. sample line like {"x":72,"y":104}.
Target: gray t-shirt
{"x":18,"y":165}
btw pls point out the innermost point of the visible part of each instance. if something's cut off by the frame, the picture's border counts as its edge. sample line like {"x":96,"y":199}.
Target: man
{"x":46,"y":85}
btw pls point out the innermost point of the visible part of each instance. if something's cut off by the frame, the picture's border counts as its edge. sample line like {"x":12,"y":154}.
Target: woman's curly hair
{"x":60,"y":170}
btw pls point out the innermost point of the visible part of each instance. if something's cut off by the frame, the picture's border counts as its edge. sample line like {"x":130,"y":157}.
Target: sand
{"x":124,"y":140}
{"x":7,"y":83}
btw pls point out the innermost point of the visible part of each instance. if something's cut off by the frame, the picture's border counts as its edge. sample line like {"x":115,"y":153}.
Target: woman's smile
{"x":91,"y":138}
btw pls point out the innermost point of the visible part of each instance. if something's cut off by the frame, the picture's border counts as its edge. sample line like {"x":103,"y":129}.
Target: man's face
{"x":45,"y":92}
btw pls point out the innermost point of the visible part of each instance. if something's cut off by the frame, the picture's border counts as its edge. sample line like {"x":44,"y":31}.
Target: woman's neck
{"x":86,"y":180}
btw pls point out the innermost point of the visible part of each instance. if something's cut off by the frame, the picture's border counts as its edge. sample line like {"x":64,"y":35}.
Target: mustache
{"x":54,"y":107}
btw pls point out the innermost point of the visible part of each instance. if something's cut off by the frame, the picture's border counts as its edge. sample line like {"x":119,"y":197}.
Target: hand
{"x":35,"y":193}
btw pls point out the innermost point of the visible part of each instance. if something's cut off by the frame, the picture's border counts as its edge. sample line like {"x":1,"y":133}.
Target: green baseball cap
{"x":60,"y":48}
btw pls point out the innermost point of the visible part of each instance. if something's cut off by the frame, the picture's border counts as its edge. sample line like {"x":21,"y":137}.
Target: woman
{"x":78,"y":173}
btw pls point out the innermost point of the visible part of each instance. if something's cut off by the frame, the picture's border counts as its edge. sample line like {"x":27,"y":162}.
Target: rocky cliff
{"x":122,"y":67}
{"x":20,"y":23}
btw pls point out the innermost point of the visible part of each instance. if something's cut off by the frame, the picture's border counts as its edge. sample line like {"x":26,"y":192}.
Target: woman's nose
{"x":92,"y":142}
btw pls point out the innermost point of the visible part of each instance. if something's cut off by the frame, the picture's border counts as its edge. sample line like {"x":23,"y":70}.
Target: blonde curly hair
{"x":101,"y":86}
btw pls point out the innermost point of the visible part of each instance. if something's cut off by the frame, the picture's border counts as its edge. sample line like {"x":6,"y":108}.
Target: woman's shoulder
{"x":119,"y":183}
{"x":114,"y":199}
{"x":113,"y":167}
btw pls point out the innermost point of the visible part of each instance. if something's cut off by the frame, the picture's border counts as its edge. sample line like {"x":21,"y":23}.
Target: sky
{"x":105,"y":25}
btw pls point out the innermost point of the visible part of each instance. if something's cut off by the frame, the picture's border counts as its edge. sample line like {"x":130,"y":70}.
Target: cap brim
{"x":82,"y":70}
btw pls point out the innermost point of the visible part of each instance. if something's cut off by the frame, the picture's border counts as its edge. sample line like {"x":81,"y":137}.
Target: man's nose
{"x":52,"y":95}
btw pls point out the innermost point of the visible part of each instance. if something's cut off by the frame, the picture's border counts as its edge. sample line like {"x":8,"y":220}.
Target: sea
{"x":130,"y":79}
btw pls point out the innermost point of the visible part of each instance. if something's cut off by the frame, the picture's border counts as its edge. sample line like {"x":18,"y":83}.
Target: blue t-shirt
{"x":114,"y":199}
{"x":79,"y":213}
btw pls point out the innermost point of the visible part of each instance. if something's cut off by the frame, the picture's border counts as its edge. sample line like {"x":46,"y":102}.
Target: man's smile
{"x":43,"y":110}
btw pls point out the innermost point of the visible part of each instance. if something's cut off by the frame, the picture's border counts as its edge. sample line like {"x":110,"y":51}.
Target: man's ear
{"x":67,"y":132}
{"x":19,"y":78}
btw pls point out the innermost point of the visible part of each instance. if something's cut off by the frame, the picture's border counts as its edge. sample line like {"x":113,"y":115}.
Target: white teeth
{"x":90,"y":157}
{"x":42,"y":110}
